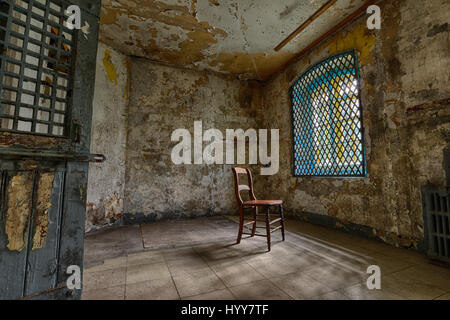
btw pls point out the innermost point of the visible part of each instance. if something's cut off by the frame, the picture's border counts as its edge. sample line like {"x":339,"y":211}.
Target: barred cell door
{"x":46,"y":89}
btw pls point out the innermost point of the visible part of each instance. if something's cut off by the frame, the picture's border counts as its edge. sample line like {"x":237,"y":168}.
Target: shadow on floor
{"x":198,"y":259}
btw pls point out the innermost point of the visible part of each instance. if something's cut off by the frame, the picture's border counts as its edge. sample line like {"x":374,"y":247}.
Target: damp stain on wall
{"x":110,"y":69}
{"x":359,"y":38}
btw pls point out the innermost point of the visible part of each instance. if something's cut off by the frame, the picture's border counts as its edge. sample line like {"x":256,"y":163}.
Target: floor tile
{"x":168,"y":234}
{"x":427,"y":273}
{"x":273,"y":267}
{"x":336,"y":276}
{"x":159,"y":289}
{"x":224,"y":294}
{"x":146,"y":257}
{"x":112,"y":293}
{"x":261,"y":290}
{"x":361,"y":292}
{"x":335,"y":295}
{"x":197,"y":282}
{"x":233,"y":274}
{"x":108,"y":264}
{"x":190,"y":264}
{"x":147,"y":272}
{"x":411,"y":288}
{"x":96,"y":253}
{"x":179,"y":253}
{"x":103,"y":279}
{"x":300,"y":286}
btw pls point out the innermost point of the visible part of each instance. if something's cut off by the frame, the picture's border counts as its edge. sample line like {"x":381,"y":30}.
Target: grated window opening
{"x":327,"y":120}
{"x":37,"y":55}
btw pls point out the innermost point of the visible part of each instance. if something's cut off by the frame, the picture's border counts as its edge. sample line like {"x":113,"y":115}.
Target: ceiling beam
{"x":305,"y":24}
{"x":353,"y":16}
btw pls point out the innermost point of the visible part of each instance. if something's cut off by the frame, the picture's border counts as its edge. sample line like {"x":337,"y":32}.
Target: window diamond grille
{"x":327,"y":120}
{"x":36,"y":55}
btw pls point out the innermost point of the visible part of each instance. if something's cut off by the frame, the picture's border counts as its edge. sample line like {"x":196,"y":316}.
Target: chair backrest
{"x":243,"y":187}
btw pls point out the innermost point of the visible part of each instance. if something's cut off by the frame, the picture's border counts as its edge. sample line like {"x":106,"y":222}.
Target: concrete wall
{"x":405,"y":92}
{"x":105,"y":193}
{"x":162,"y":100}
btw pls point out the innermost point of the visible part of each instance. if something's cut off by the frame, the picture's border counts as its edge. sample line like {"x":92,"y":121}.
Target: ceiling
{"x":229,"y":36}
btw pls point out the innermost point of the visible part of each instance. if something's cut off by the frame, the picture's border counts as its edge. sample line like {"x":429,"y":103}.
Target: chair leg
{"x":255,"y":212}
{"x":241,"y":225}
{"x":282,"y":222}
{"x":268,"y":227}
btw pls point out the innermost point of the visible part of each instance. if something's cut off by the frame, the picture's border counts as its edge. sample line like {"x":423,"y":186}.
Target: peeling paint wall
{"x":405,"y":92}
{"x":227,"y":36}
{"x":162,"y":100}
{"x":105,"y":193}
{"x":18,"y":209}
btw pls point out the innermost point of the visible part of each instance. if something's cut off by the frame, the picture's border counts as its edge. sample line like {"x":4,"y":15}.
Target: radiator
{"x":436,"y":211}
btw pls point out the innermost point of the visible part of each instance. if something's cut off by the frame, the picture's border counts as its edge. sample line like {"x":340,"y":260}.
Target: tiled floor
{"x":314,"y":263}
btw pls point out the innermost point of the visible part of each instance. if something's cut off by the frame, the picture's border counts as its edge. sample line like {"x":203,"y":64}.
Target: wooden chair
{"x":254,"y":204}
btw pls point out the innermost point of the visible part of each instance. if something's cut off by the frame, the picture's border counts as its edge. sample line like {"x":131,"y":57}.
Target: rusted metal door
{"x":47,"y":85}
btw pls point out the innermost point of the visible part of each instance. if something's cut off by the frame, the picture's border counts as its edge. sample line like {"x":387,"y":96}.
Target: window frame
{"x":361,"y":119}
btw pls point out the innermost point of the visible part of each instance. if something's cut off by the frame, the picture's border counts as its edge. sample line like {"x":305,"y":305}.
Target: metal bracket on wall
{"x":20,"y":154}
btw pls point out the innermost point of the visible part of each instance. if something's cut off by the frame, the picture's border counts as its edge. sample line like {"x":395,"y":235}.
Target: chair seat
{"x":262,"y":203}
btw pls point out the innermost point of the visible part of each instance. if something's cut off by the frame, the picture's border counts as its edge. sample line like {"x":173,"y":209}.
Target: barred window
{"x":327,"y":120}
{"x":36,"y":58}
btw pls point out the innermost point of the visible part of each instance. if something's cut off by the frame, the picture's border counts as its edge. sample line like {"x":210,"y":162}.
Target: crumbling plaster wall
{"x":162,"y":100}
{"x":105,"y":193}
{"x":229,"y":36}
{"x":405,"y":94}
